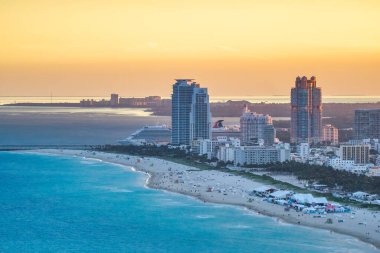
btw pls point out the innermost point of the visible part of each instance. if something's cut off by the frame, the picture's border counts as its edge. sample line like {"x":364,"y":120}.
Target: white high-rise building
{"x":255,"y":127}
{"x":191,"y":117}
{"x":226,"y":153}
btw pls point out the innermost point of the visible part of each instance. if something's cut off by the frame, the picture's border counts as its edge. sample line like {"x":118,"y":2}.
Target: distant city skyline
{"x":234,"y":48}
{"x":166,"y":126}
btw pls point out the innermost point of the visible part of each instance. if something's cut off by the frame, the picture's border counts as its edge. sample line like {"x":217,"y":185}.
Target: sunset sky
{"x":235,"y":48}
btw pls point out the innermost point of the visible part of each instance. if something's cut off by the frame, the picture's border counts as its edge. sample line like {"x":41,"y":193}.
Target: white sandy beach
{"x":230,"y":189}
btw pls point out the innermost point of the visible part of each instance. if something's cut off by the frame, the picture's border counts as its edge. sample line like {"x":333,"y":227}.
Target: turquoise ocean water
{"x":65,"y":204}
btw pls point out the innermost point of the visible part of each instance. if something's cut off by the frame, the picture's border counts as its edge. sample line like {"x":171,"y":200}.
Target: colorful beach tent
{"x":303,"y":198}
{"x":321,"y":200}
{"x":309,"y":199}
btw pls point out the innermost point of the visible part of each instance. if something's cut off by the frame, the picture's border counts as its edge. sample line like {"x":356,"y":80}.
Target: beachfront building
{"x":306,"y":111}
{"x":207,"y":147}
{"x":226,"y":153}
{"x":210,"y":147}
{"x":359,"y":153}
{"x":246,"y":155}
{"x":255,"y":127}
{"x":348,"y":165}
{"x":367,"y":124}
{"x":191,"y":117}
{"x":330,"y":134}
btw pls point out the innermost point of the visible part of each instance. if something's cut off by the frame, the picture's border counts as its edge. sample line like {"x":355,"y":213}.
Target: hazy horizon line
{"x":131,"y":96}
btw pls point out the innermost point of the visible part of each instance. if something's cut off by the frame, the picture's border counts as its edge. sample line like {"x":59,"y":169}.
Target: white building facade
{"x":255,"y":127}
{"x":246,"y":155}
{"x":349,"y":165}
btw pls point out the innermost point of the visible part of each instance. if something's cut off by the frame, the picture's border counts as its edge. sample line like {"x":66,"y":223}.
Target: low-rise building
{"x":374,"y":171}
{"x":359,"y":153}
{"x":246,"y":155}
{"x":133,"y":102}
{"x":211,"y":147}
{"x":349,"y":165}
{"x":338,"y":163}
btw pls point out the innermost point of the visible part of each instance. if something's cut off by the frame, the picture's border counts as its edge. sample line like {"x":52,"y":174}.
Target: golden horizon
{"x":244,"y":48}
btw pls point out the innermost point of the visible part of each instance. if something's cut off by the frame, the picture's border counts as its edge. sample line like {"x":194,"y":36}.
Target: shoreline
{"x":190,"y":181}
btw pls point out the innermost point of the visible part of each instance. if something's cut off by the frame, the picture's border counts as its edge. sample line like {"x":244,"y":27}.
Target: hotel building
{"x":246,"y":155}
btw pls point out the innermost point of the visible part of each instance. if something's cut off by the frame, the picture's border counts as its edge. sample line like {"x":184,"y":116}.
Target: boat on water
{"x":161,"y":134}
{"x":149,"y":135}
{"x":220,"y":130}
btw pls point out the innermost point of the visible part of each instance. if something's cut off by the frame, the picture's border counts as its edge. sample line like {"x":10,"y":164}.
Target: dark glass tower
{"x":367,"y":124}
{"x":306,"y":111}
{"x":191,"y":118}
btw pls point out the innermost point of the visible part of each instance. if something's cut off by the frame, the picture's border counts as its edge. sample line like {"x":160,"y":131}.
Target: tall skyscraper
{"x":367,"y":124}
{"x":306,"y":111}
{"x":254,"y":127}
{"x":191,"y":117}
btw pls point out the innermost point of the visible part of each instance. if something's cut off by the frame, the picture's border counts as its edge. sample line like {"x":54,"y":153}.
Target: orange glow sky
{"x":235,"y":48}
